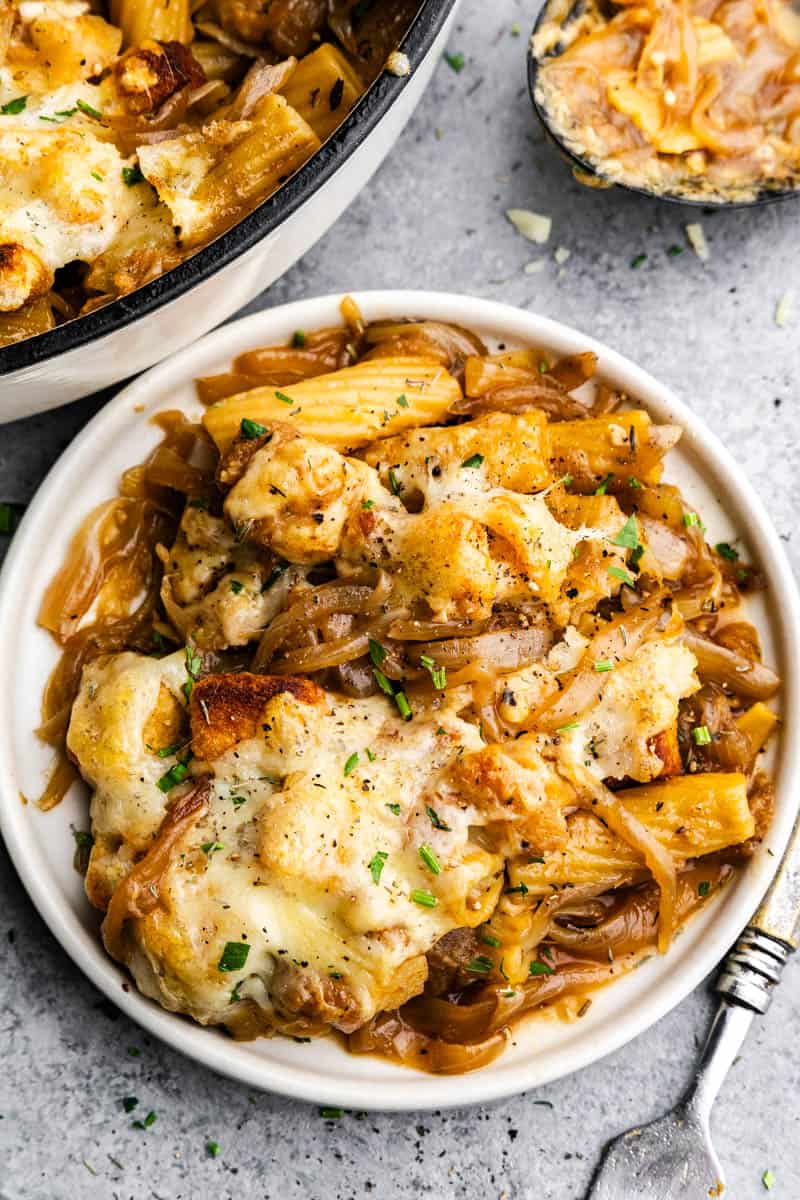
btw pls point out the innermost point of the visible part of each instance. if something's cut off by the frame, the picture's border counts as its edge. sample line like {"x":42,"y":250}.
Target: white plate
{"x":41,"y":843}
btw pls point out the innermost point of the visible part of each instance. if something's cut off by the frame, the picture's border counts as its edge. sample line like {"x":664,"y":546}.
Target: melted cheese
{"x":62,"y":196}
{"x":297,"y":838}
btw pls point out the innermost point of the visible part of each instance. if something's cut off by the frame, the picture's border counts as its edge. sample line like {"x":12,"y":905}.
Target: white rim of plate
{"x":408,"y":1090}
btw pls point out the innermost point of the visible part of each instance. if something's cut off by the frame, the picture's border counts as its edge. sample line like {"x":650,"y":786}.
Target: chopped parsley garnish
{"x":331,"y":1114}
{"x":520,"y":890}
{"x":691,"y":519}
{"x":455,"y":62}
{"x":299,"y":339}
{"x":236,"y":586}
{"x":768,"y":1180}
{"x":88,"y":110}
{"x":566,"y":480}
{"x":173,"y":777}
{"x":425,"y":899}
{"x":371,"y":755}
{"x":404,"y":708}
{"x":491,"y":940}
{"x":383,"y":683}
{"x":9,"y":517}
{"x":634,"y":483}
{"x":12,"y":107}
{"x":725,"y":550}
{"x":394,"y":482}
{"x":544,"y":366}
{"x":235,"y":997}
{"x":430,"y":859}
{"x":474,"y":460}
{"x":602,"y":487}
{"x":129,"y":1103}
{"x":213,"y":1149}
{"x":438,"y":674}
{"x":376,"y":865}
{"x":628,"y":536}
{"x":395,"y":808}
{"x":83,"y":839}
{"x":284,"y":399}
{"x":540,"y":968}
{"x":638,"y":260}
{"x":234,"y":956}
{"x":604,"y":665}
{"x":351,"y":763}
{"x":569,"y":726}
{"x":210,"y":848}
{"x":96,"y":175}
{"x":238,"y":801}
{"x":132,"y":175}
{"x":149,"y":1120}
{"x":402,"y":401}
{"x":251,"y":429}
{"x":674,"y":251}
{"x":194,"y":665}
{"x":376,"y":652}
{"x":481,"y":965}
{"x":701,"y":735}
{"x":435,"y":820}
{"x":367,"y":504}
{"x":703,"y":888}
{"x":621,"y":573}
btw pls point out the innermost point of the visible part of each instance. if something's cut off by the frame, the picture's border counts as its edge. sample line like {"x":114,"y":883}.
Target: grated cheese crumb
{"x":534,"y":267}
{"x":561,"y":255}
{"x":533,"y":226}
{"x":398,"y":64}
{"x":697,"y":240}
{"x":784,"y":309}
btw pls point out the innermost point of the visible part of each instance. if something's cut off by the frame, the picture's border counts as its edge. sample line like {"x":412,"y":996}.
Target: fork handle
{"x":754,"y":966}
{"x":752,"y":969}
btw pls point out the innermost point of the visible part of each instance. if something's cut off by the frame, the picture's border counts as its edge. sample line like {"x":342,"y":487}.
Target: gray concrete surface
{"x":434,"y":218}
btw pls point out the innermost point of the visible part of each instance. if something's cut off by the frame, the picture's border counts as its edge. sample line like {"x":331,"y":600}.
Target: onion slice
{"x":593,"y":795}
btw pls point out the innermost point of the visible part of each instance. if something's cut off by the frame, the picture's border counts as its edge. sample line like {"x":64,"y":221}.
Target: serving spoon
{"x":673,"y":1156}
{"x":589,"y":173}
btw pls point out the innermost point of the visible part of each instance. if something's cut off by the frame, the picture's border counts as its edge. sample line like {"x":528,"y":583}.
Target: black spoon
{"x":591,"y":171}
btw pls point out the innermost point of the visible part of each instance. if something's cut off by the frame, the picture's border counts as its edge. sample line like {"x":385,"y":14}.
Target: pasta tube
{"x":323,"y":88}
{"x":345,"y":409}
{"x":691,"y":815}
{"x":158,"y":20}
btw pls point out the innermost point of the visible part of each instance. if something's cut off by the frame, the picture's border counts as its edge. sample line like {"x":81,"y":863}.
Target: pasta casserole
{"x":133,"y":133}
{"x":695,"y":98}
{"x":411,"y":697}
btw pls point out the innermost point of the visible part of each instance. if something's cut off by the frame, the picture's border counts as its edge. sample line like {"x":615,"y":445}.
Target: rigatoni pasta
{"x":458,"y":733}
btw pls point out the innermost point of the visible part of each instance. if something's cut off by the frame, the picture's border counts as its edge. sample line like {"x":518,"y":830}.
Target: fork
{"x":673,"y":1156}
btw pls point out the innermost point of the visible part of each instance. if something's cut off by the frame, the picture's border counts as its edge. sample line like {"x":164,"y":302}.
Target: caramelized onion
{"x":504,"y":650}
{"x":137,"y":894}
{"x":718,"y":664}
{"x":119,"y":533}
{"x":451,"y":345}
{"x":317,"y":603}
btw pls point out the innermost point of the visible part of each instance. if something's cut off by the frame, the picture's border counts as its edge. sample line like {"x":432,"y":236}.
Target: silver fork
{"x":673,"y":1156}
